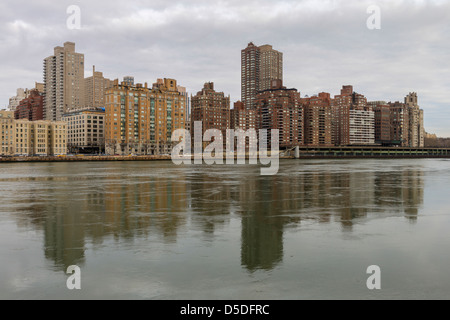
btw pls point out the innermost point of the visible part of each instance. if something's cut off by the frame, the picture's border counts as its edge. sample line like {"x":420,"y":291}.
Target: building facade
{"x":270,"y":67}
{"x":382,"y":114}
{"x":6,"y":132}
{"x":280,"y":108}
{"x":416,"y":124}
{"x":244,"y":119}
{"x":31,"y":108}
{"x":141,"y":120}
{"x":15,"y":101}
{"x":362,"y":127}
{"x":353,"y":120}
{"x":63,"y":82}
{"x":95,"y":88}
{"x":400,"y":124}
{"x":212,"y":109}
{"x":259,"y":66}
{"x":27,"y":138}
{"x":250,"y":74}
{"x":86,"y":131}
{"x":318,"y":120}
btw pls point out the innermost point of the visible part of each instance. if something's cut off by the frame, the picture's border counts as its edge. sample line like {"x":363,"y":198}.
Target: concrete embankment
{"x":300,"y":153}
{"x":83,"y":158}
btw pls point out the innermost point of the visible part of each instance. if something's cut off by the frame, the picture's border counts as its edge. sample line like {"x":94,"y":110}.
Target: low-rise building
{"x":86,"y":130}
{"x":27,"y":138}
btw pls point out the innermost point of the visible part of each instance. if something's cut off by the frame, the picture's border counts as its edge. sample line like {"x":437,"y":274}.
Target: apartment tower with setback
{"x":63,"y":82}
{"x":259,"y":66}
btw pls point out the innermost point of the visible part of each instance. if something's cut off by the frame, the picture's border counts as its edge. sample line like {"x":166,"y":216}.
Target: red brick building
{"x":400,"y":124}
{"x":382,"y":123}
{"x":352,"y":119}
{"x":318,"y":125}
{"x":31,"y":108}
{"x":280,"y":108}
{"x":212,"y":109}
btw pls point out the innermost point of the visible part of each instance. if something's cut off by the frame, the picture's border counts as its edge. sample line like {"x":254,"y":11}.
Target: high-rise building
{"x":182,"y":90}
{"x":341,"y":116}
{"x":318,"y":120}
{"x":362,"y":127}
{"x":353,"y":120}
{"x":259,"y":66}
{"x":95,"y":88}
{"x":416,"y":125}
{"x":31,"y":108}
{"x":280,"y":108}
{"x":63,"y":82}
{"x":382,"y":113}
{"x":250,"y":74}
{"x":392,"y":121}
{"x":271,"y":66}
{"x":141,"y":120}
{"x":400,"y":124}
{"x":212,"y":109}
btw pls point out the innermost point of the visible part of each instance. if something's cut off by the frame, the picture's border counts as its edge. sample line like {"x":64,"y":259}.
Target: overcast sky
{"x":326,"y":44}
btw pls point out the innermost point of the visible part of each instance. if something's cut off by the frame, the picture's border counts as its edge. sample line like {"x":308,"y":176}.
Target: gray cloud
{"x":326,"y":44}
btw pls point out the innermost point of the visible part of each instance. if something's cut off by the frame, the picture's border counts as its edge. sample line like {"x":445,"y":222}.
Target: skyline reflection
{"x":158,"y":200}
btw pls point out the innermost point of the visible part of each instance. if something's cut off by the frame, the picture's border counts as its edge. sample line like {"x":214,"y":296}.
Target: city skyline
{"x":407,"y":54}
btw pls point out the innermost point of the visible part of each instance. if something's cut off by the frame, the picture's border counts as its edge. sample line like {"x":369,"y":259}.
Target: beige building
{"x":86,"y":130}
{"x":63,"y":82}
{"x":27,"y":138}
{"x":141,"y":120}
{"x":271,"y":66}
{"x":6,"y":132}
{"x":95,"y":88}
{"x":362,"y":127}
{"x":39,"y":87}
{"x":416,"y":128}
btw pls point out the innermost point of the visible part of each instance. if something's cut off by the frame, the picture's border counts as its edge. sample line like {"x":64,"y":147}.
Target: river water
{"x":153,"y":230}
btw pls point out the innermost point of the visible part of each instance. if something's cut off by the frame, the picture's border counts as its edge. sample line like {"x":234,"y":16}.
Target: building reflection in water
{"x":262,"y":202}
{"x":123,"y":209}
{"x":209,"y":195}
{"x":115,"y":209}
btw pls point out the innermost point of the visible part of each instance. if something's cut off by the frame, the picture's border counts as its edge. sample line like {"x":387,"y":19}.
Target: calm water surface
{"x":153,"y":230}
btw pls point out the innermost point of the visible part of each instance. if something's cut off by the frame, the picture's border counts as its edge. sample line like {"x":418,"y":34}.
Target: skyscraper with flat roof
{"x":270,"y":66}
{"x":63,"y":82}
{"x":259,"y":66}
